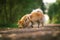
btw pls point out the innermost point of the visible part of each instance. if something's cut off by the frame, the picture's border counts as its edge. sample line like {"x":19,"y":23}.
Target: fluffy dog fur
{"x":37,"y":16}
{"x":46,"y":19}
{"x":24,"y":21}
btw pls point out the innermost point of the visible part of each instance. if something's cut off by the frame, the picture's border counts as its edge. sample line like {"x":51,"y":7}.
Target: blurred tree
{"x":42,"y":6}
{"x":54,"y":12}
{"x":12,"y":10}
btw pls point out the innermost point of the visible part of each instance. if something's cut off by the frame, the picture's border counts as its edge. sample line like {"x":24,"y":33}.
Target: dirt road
{"x":48,"y":32}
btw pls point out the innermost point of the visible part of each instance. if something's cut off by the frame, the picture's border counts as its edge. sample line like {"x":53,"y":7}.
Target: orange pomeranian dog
{"x":35,"y":17}
{"x":24,"y":21}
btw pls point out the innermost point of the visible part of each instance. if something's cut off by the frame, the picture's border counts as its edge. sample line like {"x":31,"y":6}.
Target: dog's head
{"x":20,"y":24}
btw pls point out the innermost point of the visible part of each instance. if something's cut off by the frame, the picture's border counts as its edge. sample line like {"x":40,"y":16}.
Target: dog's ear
{"x":20,"y":22}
